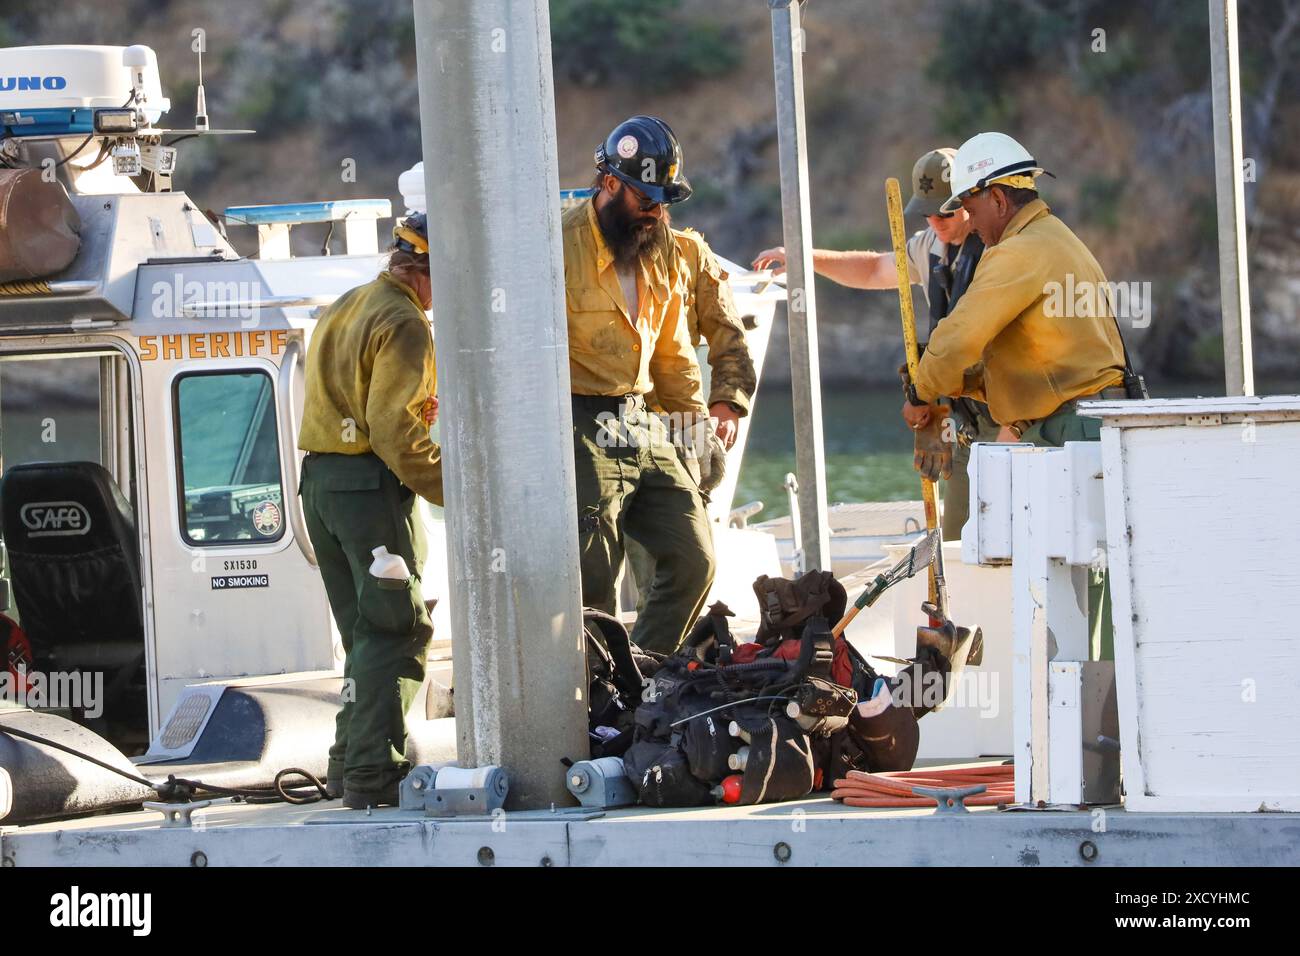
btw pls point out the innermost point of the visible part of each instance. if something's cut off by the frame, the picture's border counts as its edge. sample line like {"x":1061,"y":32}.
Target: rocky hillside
{"x":1112,"y":96}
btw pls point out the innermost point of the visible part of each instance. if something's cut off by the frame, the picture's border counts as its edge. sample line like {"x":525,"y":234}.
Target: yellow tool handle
{"x":894,"y":204}
{"x":849,"y":615}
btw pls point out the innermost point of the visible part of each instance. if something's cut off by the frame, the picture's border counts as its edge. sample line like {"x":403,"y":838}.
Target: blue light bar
{"x":61,"y":121}
{"x":294,"y":212}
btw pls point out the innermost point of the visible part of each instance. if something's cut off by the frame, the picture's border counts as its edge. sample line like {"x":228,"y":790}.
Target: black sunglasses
{"x":645,"y":202}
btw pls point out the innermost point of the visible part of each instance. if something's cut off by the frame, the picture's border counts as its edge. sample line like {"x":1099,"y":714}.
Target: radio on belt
{"x":450,"y":791}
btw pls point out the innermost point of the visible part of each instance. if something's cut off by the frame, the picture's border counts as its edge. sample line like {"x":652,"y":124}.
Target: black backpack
{"x":616,"y":673}
{"x":682,"y":746}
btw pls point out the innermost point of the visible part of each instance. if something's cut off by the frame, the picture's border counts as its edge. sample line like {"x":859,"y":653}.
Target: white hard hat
{"x":986,"y":157}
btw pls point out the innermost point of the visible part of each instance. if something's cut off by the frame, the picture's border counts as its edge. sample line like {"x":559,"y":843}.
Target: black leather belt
{"x":341,"y":454}
{"x":609,"y":403}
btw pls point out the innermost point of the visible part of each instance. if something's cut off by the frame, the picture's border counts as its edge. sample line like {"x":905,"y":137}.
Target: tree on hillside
{"x":651,"y":44}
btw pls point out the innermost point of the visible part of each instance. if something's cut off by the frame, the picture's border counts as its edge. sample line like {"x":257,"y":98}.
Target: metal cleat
{"x":176,"y":815}
{"x":950,"y":799}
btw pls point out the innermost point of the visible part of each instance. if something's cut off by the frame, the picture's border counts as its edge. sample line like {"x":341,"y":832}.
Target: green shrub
{"x":649,"y":44}
{"x":981,"y":46}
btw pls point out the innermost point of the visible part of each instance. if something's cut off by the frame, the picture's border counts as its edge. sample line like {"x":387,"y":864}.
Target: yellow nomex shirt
{"x":1034,"y":361}
{"x":711,"y":315}
{"x":370,"y":369}
{"x":610,"y":351}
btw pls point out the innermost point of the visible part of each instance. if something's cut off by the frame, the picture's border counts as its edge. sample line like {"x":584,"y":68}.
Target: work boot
{"x":386,"y":796}
{"x":334,"y":781}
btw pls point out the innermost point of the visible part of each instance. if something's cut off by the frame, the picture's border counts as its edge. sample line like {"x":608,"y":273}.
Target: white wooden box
{"x":1202,"y":514}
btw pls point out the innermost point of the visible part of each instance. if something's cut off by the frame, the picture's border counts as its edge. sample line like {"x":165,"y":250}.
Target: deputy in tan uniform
{"x":624,"y":290}
{"x":370,"y":381}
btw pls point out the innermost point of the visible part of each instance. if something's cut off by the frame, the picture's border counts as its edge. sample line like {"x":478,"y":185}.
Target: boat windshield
{"x":230,"y":458}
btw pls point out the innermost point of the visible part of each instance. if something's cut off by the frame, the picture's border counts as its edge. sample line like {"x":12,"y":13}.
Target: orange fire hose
{"x":895,"y":789}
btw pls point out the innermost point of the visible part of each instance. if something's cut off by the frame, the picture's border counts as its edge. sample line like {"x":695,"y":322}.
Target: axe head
{"x":950,"y":646}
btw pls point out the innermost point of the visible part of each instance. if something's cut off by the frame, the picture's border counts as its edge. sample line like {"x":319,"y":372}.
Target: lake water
{"x":868,"y":448}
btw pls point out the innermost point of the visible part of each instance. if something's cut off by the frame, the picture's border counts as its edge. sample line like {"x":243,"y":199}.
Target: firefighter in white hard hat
{"x":941,"y":259}
{"x":1037,"y":363}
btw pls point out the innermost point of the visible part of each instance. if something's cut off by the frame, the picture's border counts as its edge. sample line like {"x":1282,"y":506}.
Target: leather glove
{"x":702,"y":443}
{"x":932,"y":455}
{"x":713,"y":463}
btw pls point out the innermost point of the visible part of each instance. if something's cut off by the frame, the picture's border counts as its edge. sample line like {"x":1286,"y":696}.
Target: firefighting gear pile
{"x":775,"y":719}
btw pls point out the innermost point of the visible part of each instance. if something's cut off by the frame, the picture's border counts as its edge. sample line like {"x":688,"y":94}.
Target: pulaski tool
{"x":894,"y":203}
{"x":921,"y":556}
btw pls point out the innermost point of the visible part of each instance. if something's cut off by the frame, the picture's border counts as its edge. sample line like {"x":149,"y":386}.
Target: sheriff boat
{"x":151,"y":382}
{"x":150,"y":387}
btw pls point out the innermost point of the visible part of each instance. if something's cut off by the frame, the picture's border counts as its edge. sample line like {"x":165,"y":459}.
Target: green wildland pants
{"x":353,"y":504}
{"x":631,"y":484}
{"x":1063,"y":425}
{"x":956,"y":490}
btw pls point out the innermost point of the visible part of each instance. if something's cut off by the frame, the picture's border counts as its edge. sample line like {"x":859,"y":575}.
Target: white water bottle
{"x":388,"y":566}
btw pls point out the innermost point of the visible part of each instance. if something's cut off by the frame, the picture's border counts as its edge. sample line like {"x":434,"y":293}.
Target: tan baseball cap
{"x":931,"y":182}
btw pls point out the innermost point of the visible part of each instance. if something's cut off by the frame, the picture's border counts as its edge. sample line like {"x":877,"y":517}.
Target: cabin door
{"x":236,"y":593}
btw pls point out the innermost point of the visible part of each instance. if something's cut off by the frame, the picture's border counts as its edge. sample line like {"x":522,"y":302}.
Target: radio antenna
{"x":201,"y":109}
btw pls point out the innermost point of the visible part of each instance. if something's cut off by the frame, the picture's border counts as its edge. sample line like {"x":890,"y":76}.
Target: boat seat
{"x":74,"y":561}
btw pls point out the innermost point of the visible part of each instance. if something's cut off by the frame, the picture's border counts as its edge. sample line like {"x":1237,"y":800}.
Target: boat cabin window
{"x":229,"y":458}
{"x":65,"y":407}
{"x":60,"y":407}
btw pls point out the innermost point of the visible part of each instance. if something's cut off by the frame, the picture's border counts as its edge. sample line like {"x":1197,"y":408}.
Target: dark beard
{"x":626,"y":240}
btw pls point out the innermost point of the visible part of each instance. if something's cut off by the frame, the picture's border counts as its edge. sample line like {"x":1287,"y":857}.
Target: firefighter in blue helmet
{"x":624,"y":289}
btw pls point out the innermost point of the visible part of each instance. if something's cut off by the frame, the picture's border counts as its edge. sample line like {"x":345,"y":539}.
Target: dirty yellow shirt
{"x":711,"y":315}
{"x":1034,"y":361}
{"x":370,"y":369}
{"x":612,"y":352}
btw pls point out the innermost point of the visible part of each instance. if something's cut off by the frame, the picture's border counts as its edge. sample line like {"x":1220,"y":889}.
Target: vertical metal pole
{"x":1234,"y":278}
{"x":805,"y":372}
{"x":487,"y":117}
